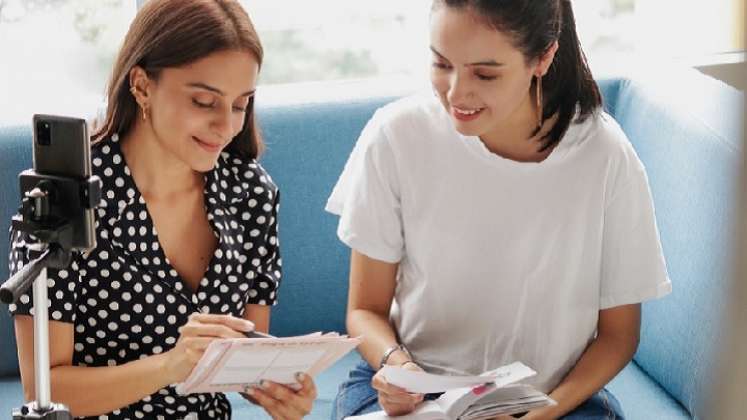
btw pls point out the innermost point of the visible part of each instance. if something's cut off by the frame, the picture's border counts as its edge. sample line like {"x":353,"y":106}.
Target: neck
{"x":513,"y":138}
{"x":157,"y":172}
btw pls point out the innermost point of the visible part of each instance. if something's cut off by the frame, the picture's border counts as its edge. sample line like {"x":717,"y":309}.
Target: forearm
{"x":379,"y":336}
{"x":91,"y":391}
{"x":602,"y":360}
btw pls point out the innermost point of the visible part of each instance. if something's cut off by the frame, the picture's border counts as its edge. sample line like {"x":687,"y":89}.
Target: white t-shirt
{"x":500,"y":261}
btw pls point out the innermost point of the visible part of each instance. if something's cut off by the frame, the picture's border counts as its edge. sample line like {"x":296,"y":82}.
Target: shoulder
{"x":238,"y":179}
{"x":406,"y":122}
{"x":606,"y":140}
{"x":414,"y":111}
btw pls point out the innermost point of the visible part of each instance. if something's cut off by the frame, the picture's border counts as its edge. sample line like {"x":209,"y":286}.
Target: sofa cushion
{"x":690,"y":144}
{"x":642,"y":398}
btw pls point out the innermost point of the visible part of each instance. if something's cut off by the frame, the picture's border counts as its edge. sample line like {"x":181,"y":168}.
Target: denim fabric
{"x":356,"y":397}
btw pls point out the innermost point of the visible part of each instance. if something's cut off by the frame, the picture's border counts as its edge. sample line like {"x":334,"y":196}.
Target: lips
{"x":209,"y":147}
{"x":466,"y":114}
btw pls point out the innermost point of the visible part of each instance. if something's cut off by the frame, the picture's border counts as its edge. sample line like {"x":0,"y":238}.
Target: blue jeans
{"x":356,"y":397}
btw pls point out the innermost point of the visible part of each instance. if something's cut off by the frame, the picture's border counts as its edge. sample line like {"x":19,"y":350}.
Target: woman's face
{"x":196,"y":110}
{"x":481,"y":79}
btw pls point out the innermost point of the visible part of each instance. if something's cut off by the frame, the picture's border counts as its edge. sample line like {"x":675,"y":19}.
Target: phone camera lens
{"x":44,"y":133}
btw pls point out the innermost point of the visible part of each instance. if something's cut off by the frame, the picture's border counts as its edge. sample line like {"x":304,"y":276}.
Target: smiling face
{"x":194,"y":111}
{"x":482,"y":80}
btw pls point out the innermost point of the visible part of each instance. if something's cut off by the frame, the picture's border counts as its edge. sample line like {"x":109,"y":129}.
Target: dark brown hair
{"x":534,"y":25}
{"x":174,"y":33}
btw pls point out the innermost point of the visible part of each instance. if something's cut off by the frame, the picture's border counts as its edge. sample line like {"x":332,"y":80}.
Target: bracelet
{"x":391,"y":350}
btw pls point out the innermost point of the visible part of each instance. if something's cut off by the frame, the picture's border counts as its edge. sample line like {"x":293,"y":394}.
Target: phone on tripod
{"x":62,"y":148}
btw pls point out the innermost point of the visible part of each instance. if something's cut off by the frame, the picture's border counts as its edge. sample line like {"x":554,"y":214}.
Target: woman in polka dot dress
{"x":187,"y":246}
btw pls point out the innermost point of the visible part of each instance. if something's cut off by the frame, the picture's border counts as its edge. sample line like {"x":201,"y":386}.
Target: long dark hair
{"x":533,"y":25}
{"x":174,"y":33}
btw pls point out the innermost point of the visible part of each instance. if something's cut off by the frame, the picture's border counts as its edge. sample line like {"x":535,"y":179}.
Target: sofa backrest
{"x":686,"y":128}
{"x":15,"y":156}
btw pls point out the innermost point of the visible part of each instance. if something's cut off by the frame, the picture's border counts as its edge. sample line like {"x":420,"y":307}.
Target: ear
{"x":140,"y":85}
{"x":546,"y":59}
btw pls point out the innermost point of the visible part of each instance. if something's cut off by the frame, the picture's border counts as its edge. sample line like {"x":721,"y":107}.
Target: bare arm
{"x":372,"y":284}
{"x":617,"y":340}
{"x":259,"y":315}
{"x":92,"y":391}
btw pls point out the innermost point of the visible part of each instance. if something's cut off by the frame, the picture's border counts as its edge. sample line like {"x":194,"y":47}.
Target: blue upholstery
{"x":686,"y":133}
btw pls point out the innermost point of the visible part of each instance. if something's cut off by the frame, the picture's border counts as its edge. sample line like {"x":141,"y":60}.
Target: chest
{"x":185,"y":235}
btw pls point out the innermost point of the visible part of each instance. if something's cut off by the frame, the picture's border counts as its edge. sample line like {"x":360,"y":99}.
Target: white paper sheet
{"x":422,"y":382}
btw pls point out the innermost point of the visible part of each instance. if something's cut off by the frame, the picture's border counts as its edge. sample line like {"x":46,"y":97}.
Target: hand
{"x":394,"y":400}
{"x":282,"y":402}
{"x":195,"y":336}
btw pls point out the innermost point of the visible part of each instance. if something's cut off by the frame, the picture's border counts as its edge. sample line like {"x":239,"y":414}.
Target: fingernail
{"x":264,"y":384}
{"x":249,"y":390}
{"x":300,"y":376}
{"x":249,"y":325}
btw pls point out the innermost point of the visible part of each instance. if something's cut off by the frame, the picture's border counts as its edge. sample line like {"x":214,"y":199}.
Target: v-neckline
{"x":164,"y":270}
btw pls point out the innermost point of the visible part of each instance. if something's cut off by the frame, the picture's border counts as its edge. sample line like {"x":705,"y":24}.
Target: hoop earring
{"x":540,"y":116}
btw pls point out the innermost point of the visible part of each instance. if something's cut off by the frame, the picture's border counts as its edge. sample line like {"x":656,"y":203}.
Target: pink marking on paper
{"x":481,"y":389}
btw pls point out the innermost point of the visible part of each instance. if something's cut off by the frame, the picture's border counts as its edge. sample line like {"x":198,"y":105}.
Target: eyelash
{"x":211,"y":105}
{"x":444,"y":66}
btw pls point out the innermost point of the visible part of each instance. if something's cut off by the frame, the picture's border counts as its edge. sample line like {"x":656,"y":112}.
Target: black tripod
{"x":50,"y":207}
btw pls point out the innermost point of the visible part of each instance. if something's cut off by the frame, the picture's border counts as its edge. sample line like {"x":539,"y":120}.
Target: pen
{"x":257,"y":334}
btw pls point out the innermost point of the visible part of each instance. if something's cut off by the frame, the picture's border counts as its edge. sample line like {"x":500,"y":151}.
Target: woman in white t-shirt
{"x":504,"y":218}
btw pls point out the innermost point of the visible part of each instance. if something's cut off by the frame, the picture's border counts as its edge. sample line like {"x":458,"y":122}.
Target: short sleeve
{"x":633,"y":267}
{"x":367,"y":197}
{"x":269,"y":272}
{"x":63,"y":284}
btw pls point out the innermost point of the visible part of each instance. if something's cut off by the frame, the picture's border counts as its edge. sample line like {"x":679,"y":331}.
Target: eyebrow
{"x":491,"y":63}
{"x":216,"y":90}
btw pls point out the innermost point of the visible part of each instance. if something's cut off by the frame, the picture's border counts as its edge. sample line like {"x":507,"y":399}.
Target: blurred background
{"x":67,"y":46}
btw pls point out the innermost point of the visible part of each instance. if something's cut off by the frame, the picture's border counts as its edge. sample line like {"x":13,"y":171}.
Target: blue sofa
{"x":684,"y":126}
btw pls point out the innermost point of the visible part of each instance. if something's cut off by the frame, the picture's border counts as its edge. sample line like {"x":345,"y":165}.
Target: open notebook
{"x":479,"y":397}
{"x":230,"y":365}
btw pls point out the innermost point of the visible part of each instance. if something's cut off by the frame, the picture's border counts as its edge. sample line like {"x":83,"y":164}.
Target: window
{"x":57,"y":54}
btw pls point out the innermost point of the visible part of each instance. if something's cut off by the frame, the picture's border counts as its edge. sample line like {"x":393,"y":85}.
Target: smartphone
{"x":62,"y":148}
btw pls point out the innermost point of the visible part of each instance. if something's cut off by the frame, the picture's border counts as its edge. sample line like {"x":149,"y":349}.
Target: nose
{"x":221,"y":124}
{"x":459,"y":88}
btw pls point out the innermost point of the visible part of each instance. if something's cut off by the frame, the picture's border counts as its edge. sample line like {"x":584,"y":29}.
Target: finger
{"x":238,"y":324}
{"x":198,"y":329}
{"x":405,"y":399}
{"x":394,"y":409}
{"x":379,"y":383}
{"x":197,"y":343}
{"x":290,"y":399}
{"x":277,"y":407}
{"x":308,"y":387}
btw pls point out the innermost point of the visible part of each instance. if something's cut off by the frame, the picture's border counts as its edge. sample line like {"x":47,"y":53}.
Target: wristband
{"x":391,"y":350}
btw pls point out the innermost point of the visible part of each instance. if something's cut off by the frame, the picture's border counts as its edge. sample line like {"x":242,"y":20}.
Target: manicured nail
{"x":264,"y":384}
{"x":300,"y":376}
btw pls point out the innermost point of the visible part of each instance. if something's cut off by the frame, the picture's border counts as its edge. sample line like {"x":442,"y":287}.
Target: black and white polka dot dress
{"x":125,"y":299}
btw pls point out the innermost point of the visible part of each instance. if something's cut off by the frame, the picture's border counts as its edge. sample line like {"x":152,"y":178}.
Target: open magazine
{"x":230,"y":365}
{"x":501,"y":395}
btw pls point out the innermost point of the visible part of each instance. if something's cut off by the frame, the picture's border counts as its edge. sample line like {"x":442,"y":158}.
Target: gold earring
{"x":145,"y":115}
{"x":539,"y":102}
